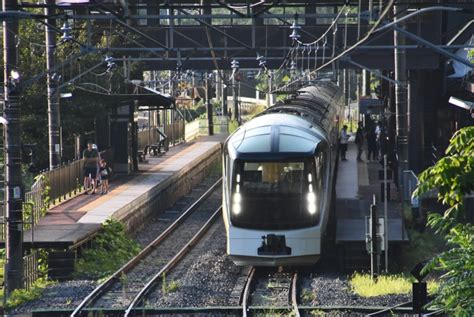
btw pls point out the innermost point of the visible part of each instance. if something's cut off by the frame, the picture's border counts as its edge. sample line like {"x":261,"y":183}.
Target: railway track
{"x":127,"y":286}
{"x":271,"y":291}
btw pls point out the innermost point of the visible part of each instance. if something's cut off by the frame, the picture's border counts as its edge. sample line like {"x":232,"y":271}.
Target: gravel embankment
{"x":206,"y":277}
{"x":332,"y":289}
{"x":59,"y":296}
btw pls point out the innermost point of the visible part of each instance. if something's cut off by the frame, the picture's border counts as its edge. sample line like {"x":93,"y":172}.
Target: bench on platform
{"x":154,"y":148}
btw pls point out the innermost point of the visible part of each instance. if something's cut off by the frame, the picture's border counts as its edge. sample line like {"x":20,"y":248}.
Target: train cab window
{"x":272,"y":194}
{"x":272,"y":177}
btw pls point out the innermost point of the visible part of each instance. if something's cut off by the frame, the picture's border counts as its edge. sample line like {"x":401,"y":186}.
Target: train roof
{"x":318,"y":103}
{"x":282,"y":135}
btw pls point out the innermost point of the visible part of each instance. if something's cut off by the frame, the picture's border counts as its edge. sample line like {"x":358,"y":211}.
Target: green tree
{"x":453,"y":178}
{"x":91,"y":93}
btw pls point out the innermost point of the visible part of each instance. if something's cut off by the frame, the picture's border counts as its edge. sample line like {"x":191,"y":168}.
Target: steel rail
{"x":246,"y":292}
{"x":388,"y":310}
{"x":294,"y":293}
{"x":216,"y":310}
{"x":102,"y":288}
{"x":172,"y":263}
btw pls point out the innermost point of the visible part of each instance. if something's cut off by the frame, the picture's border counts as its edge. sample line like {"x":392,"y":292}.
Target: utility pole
{"x":13,"y":182}
{"x":270,"y":87}
{"x":224,"y":95}
{"x":235,"y":70}
{"x":401,"y":99}
{"x":53,"y":94}
{"x":210,"y":125}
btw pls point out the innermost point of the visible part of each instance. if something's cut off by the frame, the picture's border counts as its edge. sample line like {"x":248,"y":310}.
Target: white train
{"x":278,"y":173}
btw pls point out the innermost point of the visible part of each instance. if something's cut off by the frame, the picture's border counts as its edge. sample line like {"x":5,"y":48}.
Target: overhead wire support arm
{"x":131,"y":28}
{"x":376,"y":72}
{"x":268,"y":7}
{"x":386,"y":27}
{"x":416,"y":38}
{"x":216,"y":29}
{"x":80,"y":75}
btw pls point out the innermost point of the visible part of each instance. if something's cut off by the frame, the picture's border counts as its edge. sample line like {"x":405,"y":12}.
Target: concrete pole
{"x":365,"y":83}
{"x":270,"y":84}
{"x":235,"y":113}
{"x":224,"y":97}
{"x":210,"y":125}
{"x":12,"y":131}
{"x":401,"y":100}
{"x":52,"y":92}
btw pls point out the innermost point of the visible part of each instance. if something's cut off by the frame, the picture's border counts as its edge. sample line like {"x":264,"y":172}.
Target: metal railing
{"x":146,"y":137}
{"x":58,"y":184}
{"x":175,"y":132}
{"x":34,"y":204}
{"x":410,"y":182}
{"x":66,"y":181}
{"x":220,"y":123}
{"x":30,"y":269}
{"x":192,"y":130}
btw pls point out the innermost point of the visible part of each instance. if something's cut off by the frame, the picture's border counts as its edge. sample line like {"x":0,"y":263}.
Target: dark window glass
{"x":274,"y":195}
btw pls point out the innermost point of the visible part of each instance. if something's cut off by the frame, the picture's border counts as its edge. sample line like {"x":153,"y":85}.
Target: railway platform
{"x":356,"y":184}
{"x":75,"y":221}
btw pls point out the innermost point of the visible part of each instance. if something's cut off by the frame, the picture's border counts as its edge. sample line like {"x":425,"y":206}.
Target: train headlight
{"x":236,"y":203}
{"x":311,"y":198}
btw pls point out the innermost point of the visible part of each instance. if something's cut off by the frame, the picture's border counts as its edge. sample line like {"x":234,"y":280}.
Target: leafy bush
{"x":111,"y":249}
{"x":453,"y":178}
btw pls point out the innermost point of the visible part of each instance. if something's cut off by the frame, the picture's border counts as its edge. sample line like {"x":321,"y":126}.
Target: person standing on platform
{"x":91,"y":161}
{"x":371,"y":144}
{"x":343,"y":142}
{"x":359,"y":141}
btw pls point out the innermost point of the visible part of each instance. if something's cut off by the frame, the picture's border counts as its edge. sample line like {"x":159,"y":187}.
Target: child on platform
{"x":105,"y":173}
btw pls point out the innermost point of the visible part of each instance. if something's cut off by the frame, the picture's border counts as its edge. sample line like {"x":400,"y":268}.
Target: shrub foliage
{"x":453,"y":178}
{"x":111,"y":249}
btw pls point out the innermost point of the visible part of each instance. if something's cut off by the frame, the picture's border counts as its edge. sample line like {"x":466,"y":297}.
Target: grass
{"x":2,"y":275}
{"x":20,"y":296}
{"x":307,"y":296}
{"x":233,"y":125}
{"x":423,"y":246}
{"x":168,"y":287}
{"x":363,"y":285}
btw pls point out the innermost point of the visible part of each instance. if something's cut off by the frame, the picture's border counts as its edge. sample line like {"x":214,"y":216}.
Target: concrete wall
{"x":166,"y":193}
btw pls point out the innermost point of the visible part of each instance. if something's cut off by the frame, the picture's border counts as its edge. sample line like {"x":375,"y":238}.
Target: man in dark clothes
{"x":371,"y":144}
{"x":91,"y":161}
{"x":359,"y":141}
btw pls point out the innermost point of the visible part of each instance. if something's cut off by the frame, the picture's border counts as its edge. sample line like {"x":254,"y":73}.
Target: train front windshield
{"x":275,"y":195}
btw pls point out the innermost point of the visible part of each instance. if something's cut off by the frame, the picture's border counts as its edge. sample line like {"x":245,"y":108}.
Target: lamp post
{"x":235,"y":69}
{"x":12,"y":142}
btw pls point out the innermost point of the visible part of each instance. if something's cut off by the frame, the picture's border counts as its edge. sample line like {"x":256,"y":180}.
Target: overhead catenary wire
{"x":354,"y":46}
